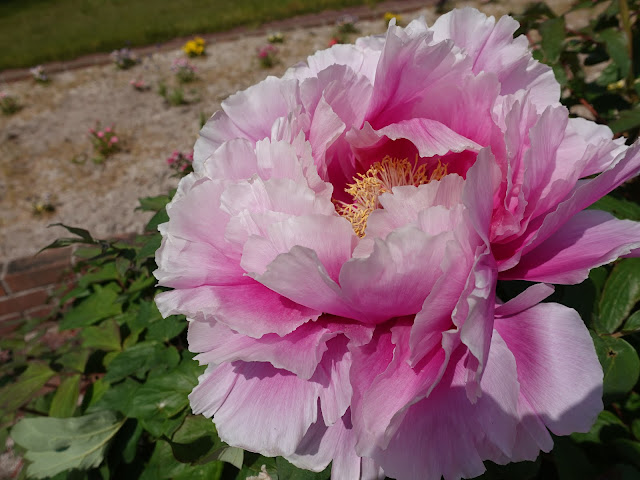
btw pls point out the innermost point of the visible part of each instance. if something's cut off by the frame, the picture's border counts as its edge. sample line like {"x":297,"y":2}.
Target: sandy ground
{"x":45,"y":150}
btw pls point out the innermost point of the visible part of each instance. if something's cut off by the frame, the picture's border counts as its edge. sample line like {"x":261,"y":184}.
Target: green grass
{"x":37,"y":31}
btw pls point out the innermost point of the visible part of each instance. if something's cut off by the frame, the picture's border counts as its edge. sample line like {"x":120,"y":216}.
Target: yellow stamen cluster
{"x":379,"y":179}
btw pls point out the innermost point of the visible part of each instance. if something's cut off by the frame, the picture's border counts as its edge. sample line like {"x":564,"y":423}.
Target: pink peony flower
{"x":100,"y":134}
{"x":113,"y":139}
{"x":337,"y":248}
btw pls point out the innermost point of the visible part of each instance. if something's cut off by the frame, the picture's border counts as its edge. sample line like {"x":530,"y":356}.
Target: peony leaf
{"x":627,"y":120}
{"x":553,"y":34}
{"x":139,"y":359}
{"x":618,"y":207}
{"x":619,"y":362}
{"x":54,"y":444}
{"x":65,"y":399}
{"x":105,"y":336}
{"x":607,"y":426}
{"x":99,"y":305}
{"x":25,"y":387}
{"x":287,"y":471}
{"x":153,"y":204}
{"x":621,"y":292}
{"x":633,"y":323}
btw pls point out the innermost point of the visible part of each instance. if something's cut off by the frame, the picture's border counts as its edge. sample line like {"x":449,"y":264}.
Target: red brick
{"x":28,"y":279}
{"x":46,"y":268}
{"x":41,"y":312}
{"x":10,"y":323}
{"x":3,"y":292}
{"x":21,"y":303}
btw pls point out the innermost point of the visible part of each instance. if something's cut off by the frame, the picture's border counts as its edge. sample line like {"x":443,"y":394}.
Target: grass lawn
{"x":36,"y":31}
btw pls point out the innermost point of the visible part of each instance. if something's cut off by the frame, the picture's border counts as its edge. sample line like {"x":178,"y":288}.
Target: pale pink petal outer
{"x":264,"y":410}
{"x":559,"y":373}
{"x":589,"y":239}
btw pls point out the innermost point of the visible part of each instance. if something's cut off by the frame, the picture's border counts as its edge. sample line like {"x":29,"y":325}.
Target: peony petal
{"x":558,"y":370}
{"x":266,"y":410}
{"x":527,"y":299}
{"x":456,"y":445}
{"x":590,"y":239}
{"x":299,"y":352}
{"x":250,"y":309}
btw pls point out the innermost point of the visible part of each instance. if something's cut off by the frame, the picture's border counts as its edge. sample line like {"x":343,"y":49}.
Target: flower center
{"x":379,"y":179}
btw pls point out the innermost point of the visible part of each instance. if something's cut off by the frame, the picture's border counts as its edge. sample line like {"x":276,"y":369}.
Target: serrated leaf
{"x":139,"y":359}
{"x":553,"y":34}
{"x":65,"y":399}
{"x":55,"y":445}
{"x":621,"y":292}
{"x":105,"y":336}
{"x":618,"y":207}
{"x":165,"y":329}
{"x":619,"y":362}
{"x":28,"y":384}
{"x":99,"y":305}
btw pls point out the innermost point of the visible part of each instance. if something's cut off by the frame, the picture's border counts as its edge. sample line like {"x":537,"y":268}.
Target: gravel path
{"x":45,"y":151}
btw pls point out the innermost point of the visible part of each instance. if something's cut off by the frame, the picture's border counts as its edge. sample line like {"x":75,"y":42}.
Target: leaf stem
{"x":626,"y":26}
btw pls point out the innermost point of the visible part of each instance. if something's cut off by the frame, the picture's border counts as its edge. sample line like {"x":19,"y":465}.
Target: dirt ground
{"x":45,"y":150}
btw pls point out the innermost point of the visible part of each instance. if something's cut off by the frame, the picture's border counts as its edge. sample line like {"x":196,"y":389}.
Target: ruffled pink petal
{"x":250,"y":309}
{"x":590,"y":239}
{"x":430,"y":137}
{"x":247,"y":114}
{"x":461,"y":434}
{"x":299,"y":352}
{"x":490,"y":47}
{"x":558,"y":370}
{"x":398,"y":275}
{"x":232,"y":160}
{"x":264,"y":410}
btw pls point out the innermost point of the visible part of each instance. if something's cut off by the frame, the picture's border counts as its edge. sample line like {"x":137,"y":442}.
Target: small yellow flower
{"x":389,"y":16}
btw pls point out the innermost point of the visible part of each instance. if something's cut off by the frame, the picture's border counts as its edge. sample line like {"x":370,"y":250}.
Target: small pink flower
{"x":100,"y":134}
{"x":107,"y":130}
{"x":113,"y":140}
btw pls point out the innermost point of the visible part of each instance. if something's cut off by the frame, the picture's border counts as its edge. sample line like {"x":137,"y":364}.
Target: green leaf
{"x":74,"y":360}
{"x":99,"y":305}
{"x":65,"y":399}
{"x":618,"y":207}
{"x":627,"y":120}
{"x":195,"y":439}
{"x":157,"y":219}
{"x":621,"y":292}
{"x":633,"y":323}
{"x":287,"y":471}
{"x":163,"y":465}
{"x":165,"y":394}
{"x":615,"y":42}
{"x":571,"y":461}
{"x":553,"y":34}
{"x":153,"y":204}
{"x":165,"y":329}
{"x":117,"y":397}
{"x":105,"y":336}
{"x":100,"y":274}
{"x":232,"y":455}
{"x":55,"y":445}
{"x":28,"y":384}
{"x":606,"y":427}
{"x":620,"y":363}
{"x":150,"y":247}
{"x":628,"y":449}
{"x":635,"y":428}
{"x":139,"y":359}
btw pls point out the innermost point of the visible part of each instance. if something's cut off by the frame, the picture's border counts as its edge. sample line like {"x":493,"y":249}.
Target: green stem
{"x":626,"y":25}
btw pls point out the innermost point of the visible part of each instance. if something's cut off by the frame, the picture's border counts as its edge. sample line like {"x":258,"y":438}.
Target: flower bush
{"x":38,"y":74}
{"x":105,"y":142}
{"x":267,"y":55}
{"x":9,"y":103}
{"x":194,"y":47}
{"x":124,"y":58}
{"x":184,"y":71}
{"x":360,"y":211}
